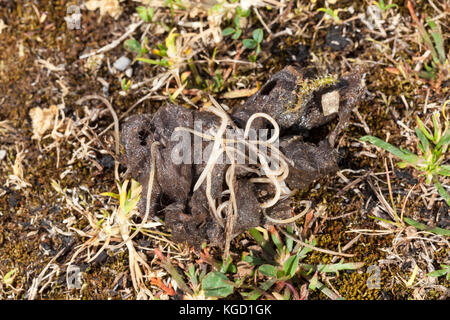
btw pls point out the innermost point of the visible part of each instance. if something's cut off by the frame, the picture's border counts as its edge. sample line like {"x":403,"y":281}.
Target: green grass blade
{"x":110,"y":194}
{"x":290,"y":266}
{"x":442,"y":191}
{"x":424,"y":143}
{"x":424,"y":129}
{"x":407,"y":157}
{"x":260,"y":240}
{"x":421,"y":226}
{"x":323,"y":288}
{"x":333,"y":268}
{"x":444,"y":170}
{"x":438,"y":40}
{"x":381,"y":219}
{"x":445,"y":140}
{"x":438,"y":273}
{"x":150,"y":61}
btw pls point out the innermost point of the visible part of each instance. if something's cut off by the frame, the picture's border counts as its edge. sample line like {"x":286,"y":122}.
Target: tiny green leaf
{"x":258,"y":35}
{"x":444,"y":170}
{"x":216,"y":284}
{"x":228,"y":31}
{"x":261,"y":241}
{"x":9,"y":277}
{"x":110,"y":194}
{"x":130,"y":204}
{"x":438,"y":273}
{"x":424,"y":129}
{"x":421,"y":226}
{"x":243,"y":13}
{"x":236,"y":21}
{"x":290,"y":266}
{"x":237,"y":34}
{"x":304,"y":251}
{"x":403,"y":155}
{"x":437,"y":38}
{"x":268,"y":270}
{"x":442,"y":191}
{"x":313,"y":283}
{"x":252,"y":259}
{"x":133,"y":45}
{"x":249,"y":43}
{"x":424,"y":145}
{"x":277,"y":241}
{"x":258,"y":49}
{"x":333,"y":268}
{"x":445,"y":140}
{"x":145,"y":14}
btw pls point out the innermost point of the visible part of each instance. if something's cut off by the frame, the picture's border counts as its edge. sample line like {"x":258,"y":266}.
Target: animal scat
{"x":186,"y":212}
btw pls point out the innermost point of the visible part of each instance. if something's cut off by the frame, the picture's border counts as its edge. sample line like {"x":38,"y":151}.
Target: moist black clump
{"x":307,"y":140}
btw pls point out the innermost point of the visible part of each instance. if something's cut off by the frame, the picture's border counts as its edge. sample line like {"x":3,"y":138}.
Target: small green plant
{"x":251,"y":44}
{"x":214,"y":284}
{"x":421,"y":226}
{"x":146,"y":14}
{"x":171,"y":52}
{"x":117,"y":229}
{"x":161,"y":51}
{"x":216,"y":85}
{"x":135,"y":46}
{"x":445,"y":271}
{"x":235,"y":32}
{"x":332,"y":13}
{"x":125,"y":84}
{"x":282,"y":264}
{"x":385,"y":7}
{"x":9,"y":277}
{"x":174,"y":3}
{"x":433,"y":146}
{"x":434,"y":41}
{"x":176,"y":53}
{"x":437,"y":50}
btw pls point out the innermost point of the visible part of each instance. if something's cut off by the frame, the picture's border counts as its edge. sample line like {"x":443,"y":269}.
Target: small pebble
{"x":122,"y":63}
{"x":129,"y":72}
{"x":105,"y":90}
{"x":2,"y":154}
{"x":330,"y":103}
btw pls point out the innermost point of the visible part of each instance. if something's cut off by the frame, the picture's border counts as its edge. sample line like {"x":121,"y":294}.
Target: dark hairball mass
{"x":310,"y":112}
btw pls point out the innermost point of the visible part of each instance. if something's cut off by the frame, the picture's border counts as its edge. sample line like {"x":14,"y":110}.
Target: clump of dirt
{"x":308,"y":113}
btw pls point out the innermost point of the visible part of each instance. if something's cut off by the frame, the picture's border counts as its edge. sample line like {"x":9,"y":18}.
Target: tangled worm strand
{"x":222,"y":145}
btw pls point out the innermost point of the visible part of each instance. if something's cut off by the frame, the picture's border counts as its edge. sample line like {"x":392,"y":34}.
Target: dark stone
{"x":336,"y":39}
{"x":106,"y":161}
{"x":14,"y":199}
